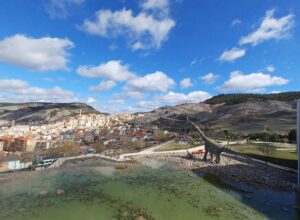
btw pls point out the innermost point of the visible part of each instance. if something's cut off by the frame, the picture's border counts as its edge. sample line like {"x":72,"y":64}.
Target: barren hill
{"x":36,"y":112}
{"x":237,"y":113}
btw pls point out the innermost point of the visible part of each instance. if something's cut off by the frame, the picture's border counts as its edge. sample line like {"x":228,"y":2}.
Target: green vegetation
{"x":53,"y":113}
{"x":232,"y":99}
{"x":274,"y":137}
{"x":269,"y":153}
{"x":292,"y":136}
{"x":169,"y":146}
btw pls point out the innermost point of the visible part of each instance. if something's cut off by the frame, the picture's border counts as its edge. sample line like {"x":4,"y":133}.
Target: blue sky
{"x":129,"y":55}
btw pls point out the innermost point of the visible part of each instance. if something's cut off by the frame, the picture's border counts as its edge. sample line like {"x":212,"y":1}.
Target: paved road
{"x":149,"y":152}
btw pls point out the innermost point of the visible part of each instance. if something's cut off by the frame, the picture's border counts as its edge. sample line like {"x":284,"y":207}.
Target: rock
{"x":219,"y":209}
{"x":140,"y":218}
{"x":60,"y":192}
{"x":43,"y":193}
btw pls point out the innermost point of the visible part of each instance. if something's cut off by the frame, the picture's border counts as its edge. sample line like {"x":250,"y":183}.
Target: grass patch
{"x":280,"y":157}
{"x":169,"y":146}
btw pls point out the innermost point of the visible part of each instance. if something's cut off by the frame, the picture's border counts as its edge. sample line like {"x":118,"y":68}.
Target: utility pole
{"x":298,"y":152}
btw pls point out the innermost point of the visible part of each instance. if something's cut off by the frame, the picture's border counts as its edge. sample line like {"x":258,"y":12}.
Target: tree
{"x":292,"y":136}
{"x":158,"y":135}
{"x":267,"y":150}
{"x":139,"y":145}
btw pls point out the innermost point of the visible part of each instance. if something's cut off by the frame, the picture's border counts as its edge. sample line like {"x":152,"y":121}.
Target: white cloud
{"x":155,"y":4}
{"x":270,"y":68}
{"x":112,"y":70}
{"x":179,"y":98}
{"x":59,"y":8}
{"x":35,"y":54}
{"x":134,"y":94}
{"x":210,"y":78}
{"x":144,"y":106}
{"x":186,"y":83}
{"x":116,"y":101}
{"x":90,"y":100}
{"x":153,"y":82}
{"x":15,"y":90}
{"x":232,"y":54}
{"x":159,"y":7}
{"x":251,"y":82}
{"x":270,"y":28}
{"x":236,"y":22}
{"x":143,"y":31}
{"x":275,"y":92}
{"x":104,"y":85}
{"x":197,"y":61}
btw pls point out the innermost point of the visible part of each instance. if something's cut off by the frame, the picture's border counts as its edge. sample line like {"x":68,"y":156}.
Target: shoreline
{"x":235,"y":169}
{"x":231,"y":168}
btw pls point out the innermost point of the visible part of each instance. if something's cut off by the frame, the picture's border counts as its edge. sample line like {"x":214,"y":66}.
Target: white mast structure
{"x":298,"y":141}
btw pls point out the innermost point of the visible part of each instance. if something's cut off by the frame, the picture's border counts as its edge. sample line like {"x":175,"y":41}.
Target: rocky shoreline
{"x":235,"y":169}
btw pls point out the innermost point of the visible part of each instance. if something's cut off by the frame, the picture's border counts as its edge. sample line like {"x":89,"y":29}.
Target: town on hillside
{"x":29,"y":146}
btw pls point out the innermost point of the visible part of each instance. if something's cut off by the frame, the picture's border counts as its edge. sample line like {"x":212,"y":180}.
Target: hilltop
{"x":39,"y":112}
{"x":237,"y":98}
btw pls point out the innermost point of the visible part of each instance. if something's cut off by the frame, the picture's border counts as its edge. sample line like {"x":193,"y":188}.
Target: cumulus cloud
{"x":143,"y":31}
{"x":35,"y":54}
{"x":155,"y":4}
{"x":60,"y":8}
{"x":113,"y":70}
{"x":251,"y":82}
{"x":90,"y":100}
{"x":138,"y":95}
{"x":104,"y":85}
{"x":159,"y":7}
{"x":270,"y":28}
{"x":210,"y":78}
{"x":270,"y":68}
{"x":232,"y":54}
{"x":186,"y":83}
{"x":179,"y":98}
{"x":153,"y":82}
{"x":15,"y":90}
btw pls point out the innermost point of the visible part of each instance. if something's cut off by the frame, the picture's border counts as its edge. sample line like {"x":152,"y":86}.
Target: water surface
{"x":93,"y":190}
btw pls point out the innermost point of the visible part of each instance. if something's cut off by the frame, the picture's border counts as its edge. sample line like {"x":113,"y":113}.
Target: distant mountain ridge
{"x":41,"y":112}
{"x":244,"y":97}
{"x":236,"y":113}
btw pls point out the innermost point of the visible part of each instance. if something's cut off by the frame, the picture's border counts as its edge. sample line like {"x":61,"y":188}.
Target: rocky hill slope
{"x":236,"y":113}
{"x":24,"y":113}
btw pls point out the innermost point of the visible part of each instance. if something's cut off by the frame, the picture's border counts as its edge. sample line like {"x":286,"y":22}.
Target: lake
{"x":97,"y":189}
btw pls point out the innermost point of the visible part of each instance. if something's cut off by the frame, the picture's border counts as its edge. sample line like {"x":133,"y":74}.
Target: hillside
{"x":242,"y":97}
{"x":237,"y":113}
{"x":34,"y":112}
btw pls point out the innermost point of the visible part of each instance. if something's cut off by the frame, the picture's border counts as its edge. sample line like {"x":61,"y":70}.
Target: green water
{"x":95,"y":190}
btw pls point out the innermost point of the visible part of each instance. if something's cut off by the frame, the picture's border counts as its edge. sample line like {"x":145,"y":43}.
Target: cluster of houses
{"x":83,"y":129}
